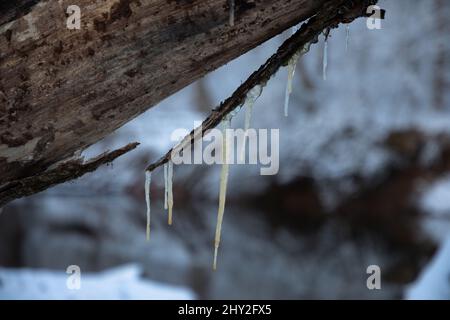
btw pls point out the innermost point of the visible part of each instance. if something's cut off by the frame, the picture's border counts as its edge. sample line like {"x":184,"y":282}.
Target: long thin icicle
{"x":170,"y":190}
{"x":231,"y":18}
{"x":148,"y":180}
{"x":347,"y":36}
{"x":166,"y":185}
{"x":248,"y":115}
{"x":223,"y":188}
{"x":250,"y":100}
{"x":291,"y":72}
{"x":292,"y":64}
{"x":325,"y":58}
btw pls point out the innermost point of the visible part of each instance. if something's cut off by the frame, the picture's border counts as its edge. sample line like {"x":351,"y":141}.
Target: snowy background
{"x":364,"y":180}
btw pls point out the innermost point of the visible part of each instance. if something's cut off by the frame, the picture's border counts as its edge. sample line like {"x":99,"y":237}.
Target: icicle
{"x":347,"y":36}
{"x":248,"y":115}
{"x":253,"y":95}
{"x":231,"y":18}
{"x":325,"y":58}
{"x":170,"y":190}
{"x":148,"y":180}
{"x":291,"y":72}
{"x":223,"y":188}
{"x":248,"y":119}
{"x":250,"y":100}
{"x":166,"y":186}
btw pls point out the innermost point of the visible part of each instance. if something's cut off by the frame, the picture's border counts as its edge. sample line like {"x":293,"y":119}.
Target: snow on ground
{"x":434,"y":282}
{"x":436,"y":203}
{"x":119,"y":283}
{"x":437,"y":198}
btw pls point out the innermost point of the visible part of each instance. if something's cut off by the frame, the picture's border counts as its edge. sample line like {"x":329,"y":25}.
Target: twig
{"x":330,"y":16}
{"x":66,"y":171}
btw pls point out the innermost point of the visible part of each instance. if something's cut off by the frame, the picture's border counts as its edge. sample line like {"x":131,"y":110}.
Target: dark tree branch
{"x":63,"y":172}
{"x":329,"y":16}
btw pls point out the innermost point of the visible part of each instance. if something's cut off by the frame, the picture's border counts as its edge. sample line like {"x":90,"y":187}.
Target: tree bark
{"x":62,"y":90}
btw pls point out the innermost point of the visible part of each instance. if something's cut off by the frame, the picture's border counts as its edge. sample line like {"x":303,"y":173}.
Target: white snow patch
{"x":436,"y":203}
{"x":437,"y":199}
{"x":434,"y":282}
{"x":119,"y":283}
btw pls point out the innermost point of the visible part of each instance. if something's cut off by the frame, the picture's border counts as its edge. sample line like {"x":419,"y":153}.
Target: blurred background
{"x":364,"y":180}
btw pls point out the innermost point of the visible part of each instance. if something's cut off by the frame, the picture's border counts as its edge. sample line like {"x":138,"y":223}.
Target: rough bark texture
{"x":62,"y":90}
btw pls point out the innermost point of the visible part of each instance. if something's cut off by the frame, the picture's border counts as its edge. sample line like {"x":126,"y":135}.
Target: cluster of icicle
{"x":292,"y":63}
{"x":248,"y":104}
{"x":250,"y":100}
{"x":168,"y":193}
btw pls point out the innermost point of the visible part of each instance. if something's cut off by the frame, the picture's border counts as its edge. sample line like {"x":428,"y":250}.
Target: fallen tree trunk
{"x":62,"y":90}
